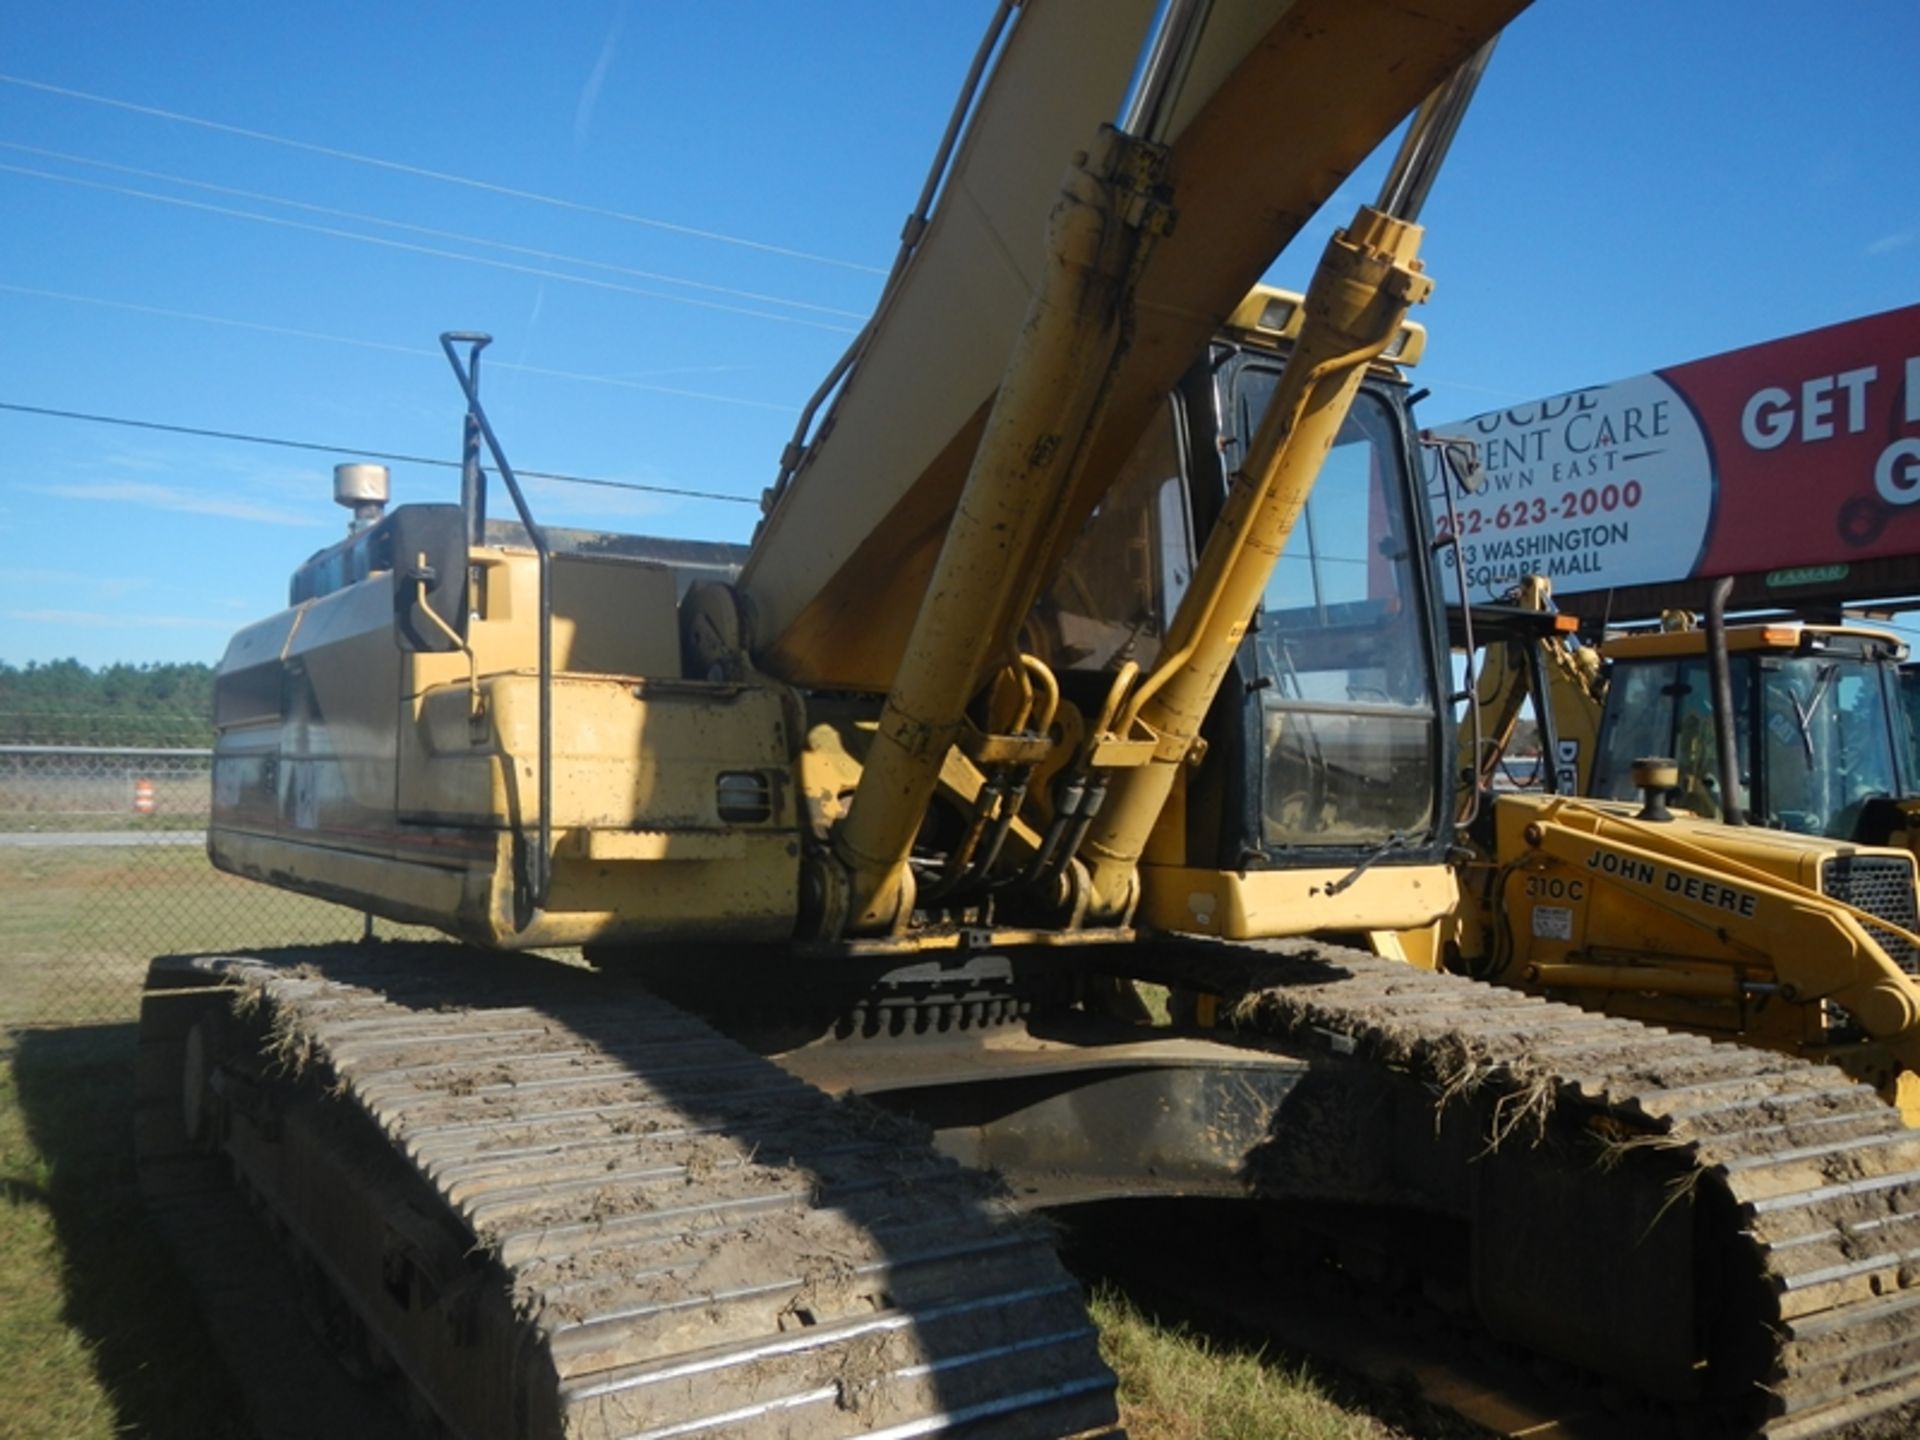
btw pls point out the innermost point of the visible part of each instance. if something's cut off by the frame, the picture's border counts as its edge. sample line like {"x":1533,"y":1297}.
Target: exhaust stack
{"x":363,"y":489}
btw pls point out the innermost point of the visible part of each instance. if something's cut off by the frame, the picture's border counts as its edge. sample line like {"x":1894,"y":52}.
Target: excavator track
{"x":1816,"y":1178}
{"x":564,"y":1208}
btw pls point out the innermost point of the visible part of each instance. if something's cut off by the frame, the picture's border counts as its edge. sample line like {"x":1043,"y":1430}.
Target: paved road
{"x":49,"y":840}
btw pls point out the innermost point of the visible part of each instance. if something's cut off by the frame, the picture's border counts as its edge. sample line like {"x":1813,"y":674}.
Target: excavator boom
{"x":1279,"y":101}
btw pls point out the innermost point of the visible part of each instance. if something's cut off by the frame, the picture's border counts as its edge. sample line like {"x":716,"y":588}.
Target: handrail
{"x":538,"y":868}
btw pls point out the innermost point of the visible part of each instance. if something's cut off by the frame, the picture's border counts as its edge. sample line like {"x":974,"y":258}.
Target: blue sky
{"x":1639,"y":183}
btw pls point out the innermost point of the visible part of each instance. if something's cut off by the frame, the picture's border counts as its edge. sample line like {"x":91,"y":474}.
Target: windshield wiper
{"x":1804,"y":718}
{"x":1396,"y":841}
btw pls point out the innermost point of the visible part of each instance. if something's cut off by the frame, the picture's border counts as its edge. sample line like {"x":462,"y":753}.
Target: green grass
{"x":73,"y":822}
{"x":78,"y":925}
{"x":98,"y":1335}
{"x":1179,"y":1385}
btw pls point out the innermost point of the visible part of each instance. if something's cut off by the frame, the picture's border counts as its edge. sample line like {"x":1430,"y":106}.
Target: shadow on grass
{"x":1260,"y":1348}
{"x":15,"y":1191}
{"x":122,"y":1293}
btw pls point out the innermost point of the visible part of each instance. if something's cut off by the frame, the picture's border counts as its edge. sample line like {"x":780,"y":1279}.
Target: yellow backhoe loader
{"x":1777,"y":920}
{"x":1091,"y":637}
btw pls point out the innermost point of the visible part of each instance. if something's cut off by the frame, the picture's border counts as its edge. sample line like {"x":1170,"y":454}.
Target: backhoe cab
{"x":1838,"y":712}
{"x":1834,"y":751}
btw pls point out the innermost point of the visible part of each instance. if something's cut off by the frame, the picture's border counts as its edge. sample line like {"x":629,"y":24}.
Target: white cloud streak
{"x":103,"y":588}
{"x":590,"y":92}
{"x":170,"y":497}
{"x":107,"y":620}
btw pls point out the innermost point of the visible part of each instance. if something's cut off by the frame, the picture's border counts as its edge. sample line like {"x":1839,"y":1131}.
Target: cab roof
{"x":1791,"y":637}
{"x":1270,"y":317}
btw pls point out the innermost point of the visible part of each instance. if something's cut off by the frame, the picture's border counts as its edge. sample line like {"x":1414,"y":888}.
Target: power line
{"x":386,"y":244}
{"x":550,"y":255}
{"x":442,"y":176}
{"x":284,"y":444}
{"x":387,"y":347}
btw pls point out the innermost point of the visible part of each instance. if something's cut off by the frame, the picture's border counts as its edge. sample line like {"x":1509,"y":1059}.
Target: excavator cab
{"x":1337,"y":700}
{"x":1326,"y":749}
{"x":1340,"y":677}
{"x":1833,"y":744}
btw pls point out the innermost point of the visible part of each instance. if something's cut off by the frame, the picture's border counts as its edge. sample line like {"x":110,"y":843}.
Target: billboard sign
{"x":1801,"y":454}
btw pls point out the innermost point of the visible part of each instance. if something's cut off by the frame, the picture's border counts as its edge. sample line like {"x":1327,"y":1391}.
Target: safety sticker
{"x":1552,"y":922}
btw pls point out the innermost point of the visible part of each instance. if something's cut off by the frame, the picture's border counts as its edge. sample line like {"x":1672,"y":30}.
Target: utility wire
{"x":428,"y":230}
{"x":285,"y":444}
{"x":387,"y":347}
{"x":338,"y":234}
{"x":442,"y":176}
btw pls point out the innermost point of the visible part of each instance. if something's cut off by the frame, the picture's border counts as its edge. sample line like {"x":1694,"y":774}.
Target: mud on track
{"x":1814,"y":1180}
{"x":593,"y":1215}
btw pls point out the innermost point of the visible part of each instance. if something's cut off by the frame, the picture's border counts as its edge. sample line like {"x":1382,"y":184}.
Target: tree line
{"x":63,"y":702}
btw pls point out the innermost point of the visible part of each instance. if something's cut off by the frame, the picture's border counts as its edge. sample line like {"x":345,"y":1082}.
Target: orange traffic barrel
{"x":143,"y":797}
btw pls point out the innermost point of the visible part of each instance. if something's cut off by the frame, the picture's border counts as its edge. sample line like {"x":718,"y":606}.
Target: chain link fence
{"x":62,"y":789}
{"x":103,"y":865}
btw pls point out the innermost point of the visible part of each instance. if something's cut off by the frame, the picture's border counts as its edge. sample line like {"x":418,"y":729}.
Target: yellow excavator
{"x":1779,"y":919}
{"x":1091,"y":637}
